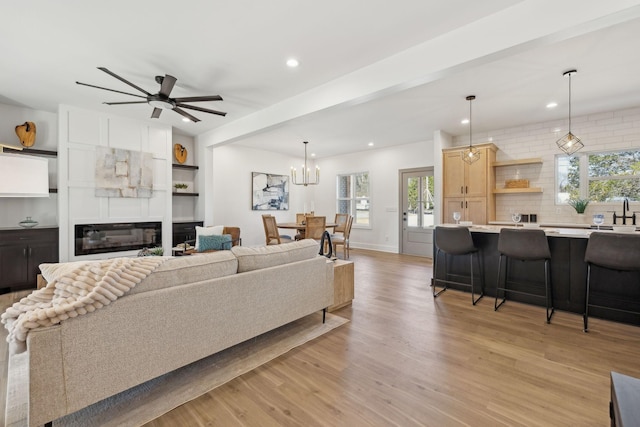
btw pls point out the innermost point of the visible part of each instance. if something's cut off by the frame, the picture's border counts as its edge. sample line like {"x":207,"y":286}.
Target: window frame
{"x":353,"y":200}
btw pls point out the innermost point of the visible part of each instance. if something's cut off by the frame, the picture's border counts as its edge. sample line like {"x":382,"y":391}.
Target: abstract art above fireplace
{"x":123,"y":173}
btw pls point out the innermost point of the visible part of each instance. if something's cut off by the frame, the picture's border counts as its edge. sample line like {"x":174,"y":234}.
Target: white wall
{"x":383,"y":166}
{"x":231,"y":189}
{"x":44,"y":210}
{"x":230,"y":196}
{"x":608,"y":131}
{"x":80,"y":132}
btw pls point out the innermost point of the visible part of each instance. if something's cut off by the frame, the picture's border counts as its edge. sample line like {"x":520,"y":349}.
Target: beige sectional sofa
{"x":188,"y":308}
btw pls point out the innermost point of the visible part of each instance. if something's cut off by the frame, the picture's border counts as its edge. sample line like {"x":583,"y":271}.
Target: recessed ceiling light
{"x":313,"y":154}
{"x":184,"y":119}
{"x":556,"y":130}
{"x":464,"y":121}
{"x":292,"y":63}
{"x":552,"y":105}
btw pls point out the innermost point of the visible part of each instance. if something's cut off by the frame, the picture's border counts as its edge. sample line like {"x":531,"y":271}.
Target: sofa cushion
{"x":214,"y":242}
{"x":207,"y":231}
{"x":250,"y":259}
{"x":189,"y":269}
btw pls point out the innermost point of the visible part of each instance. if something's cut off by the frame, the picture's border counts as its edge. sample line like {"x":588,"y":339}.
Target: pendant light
{"x":305,"y":171}
{"x":471,"y":154}
{"x":569,"y":143}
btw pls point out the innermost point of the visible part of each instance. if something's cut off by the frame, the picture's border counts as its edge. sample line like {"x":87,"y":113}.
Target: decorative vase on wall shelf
{"x":28,"y":223}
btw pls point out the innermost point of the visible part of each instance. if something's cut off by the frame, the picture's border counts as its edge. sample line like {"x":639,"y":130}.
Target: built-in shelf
{"x":53,"y":190}
{"x":517,"y":190}
{"x":188,"y":167}
{"x":33,"y":151}
{"x":531,"y":161}
{"x":186,"y":194}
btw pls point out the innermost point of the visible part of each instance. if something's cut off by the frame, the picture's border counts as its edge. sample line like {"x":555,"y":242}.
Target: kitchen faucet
{"x":624,"y":216}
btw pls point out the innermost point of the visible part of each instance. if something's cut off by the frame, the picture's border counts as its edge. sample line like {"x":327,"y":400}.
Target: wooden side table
{"x":343,"y":290}
{"x":625,"y":395}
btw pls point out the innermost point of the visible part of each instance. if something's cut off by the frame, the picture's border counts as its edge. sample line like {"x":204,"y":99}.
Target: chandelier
{"x":305,"y":172}
{"x":471,"y":154}
{"x":569,"y":143}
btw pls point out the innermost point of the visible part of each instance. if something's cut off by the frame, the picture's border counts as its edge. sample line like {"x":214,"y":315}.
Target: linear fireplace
{"x":116,"y":237}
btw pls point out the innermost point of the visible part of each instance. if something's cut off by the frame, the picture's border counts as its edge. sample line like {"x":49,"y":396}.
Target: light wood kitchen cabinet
{"x":467,"y":188}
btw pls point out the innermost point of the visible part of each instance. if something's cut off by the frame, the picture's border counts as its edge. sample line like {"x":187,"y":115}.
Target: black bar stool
{"x":524,"y":245}
{"x":456,"y":241}
{"x":613,"y":251}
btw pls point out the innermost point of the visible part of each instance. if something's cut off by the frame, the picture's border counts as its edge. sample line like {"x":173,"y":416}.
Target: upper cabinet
{"x":468,"y":188}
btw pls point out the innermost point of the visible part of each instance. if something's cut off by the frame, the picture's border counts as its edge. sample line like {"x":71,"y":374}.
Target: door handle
{"x":24,"y":252}
{"x":461,"y":189}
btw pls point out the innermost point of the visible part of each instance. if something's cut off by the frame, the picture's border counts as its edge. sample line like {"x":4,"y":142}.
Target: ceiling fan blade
{"x":187,"y":115}
{"x":156,"y":113}
{"x":112,"y":74}
{"x":204,"y":110}
{"x":112,"y":90}
{"x":167,"y":85}
{"x":199,"y":98}
{"x":122,"y":103}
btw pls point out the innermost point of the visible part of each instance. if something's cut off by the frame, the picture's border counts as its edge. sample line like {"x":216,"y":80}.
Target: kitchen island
{"x":568,"y":269}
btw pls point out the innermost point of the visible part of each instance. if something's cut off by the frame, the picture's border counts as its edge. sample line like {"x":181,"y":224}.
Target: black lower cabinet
{"x":184,"y":231}
{"x":21,"y":252}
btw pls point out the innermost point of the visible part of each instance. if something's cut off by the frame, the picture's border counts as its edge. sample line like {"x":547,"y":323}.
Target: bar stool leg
{"x":473,"y":300}
{"x":585,"y":316}
{"x":435,"y":264}
{"x":548,"y":291}
{"x":504,"y":292}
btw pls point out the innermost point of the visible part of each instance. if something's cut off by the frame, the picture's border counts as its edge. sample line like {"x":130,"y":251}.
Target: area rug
{"x":143,"y":403}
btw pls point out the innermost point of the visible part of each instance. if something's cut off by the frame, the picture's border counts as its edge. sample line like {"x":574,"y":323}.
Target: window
{"x":354,"y":198}
{"x":600,"y":177}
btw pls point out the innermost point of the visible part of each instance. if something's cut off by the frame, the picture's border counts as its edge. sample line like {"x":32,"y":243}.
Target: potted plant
{"x":180,"y":187}
{"x":580,"y":205}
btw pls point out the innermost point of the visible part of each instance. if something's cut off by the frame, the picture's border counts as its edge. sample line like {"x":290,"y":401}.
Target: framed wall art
{"x":269,"y":192}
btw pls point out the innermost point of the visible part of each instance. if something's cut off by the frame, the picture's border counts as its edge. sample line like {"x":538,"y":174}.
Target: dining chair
{"x":341,"y":222}
{"x":271,"y":231}
{"x":300,"y":217}
{"x":314,"y":228}
{"x":338,"y":240}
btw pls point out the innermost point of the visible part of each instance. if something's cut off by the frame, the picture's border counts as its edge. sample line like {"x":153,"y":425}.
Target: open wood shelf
{"x":517,"y":190}
{"x":189,"y":167}
{"x":531,"y":161}
{"x":32,"y":151}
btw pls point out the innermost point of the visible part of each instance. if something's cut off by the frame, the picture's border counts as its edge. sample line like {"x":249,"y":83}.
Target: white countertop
{"x":549,"y":231}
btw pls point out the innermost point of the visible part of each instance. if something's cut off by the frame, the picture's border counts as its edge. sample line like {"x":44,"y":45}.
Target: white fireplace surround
{"x":80,"y":133}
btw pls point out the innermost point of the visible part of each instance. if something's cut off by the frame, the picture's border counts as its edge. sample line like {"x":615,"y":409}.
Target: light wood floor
{"x":406,"y":359}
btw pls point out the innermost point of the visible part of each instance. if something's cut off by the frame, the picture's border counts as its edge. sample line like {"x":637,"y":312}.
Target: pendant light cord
{"x":570,"y":102}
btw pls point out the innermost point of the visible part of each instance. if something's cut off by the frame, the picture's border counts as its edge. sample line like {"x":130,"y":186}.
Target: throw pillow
{"x":207,"y":231}
{"x":214,"y":242}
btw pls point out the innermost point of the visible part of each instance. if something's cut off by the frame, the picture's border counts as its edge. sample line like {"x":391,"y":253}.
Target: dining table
{"x":301,"y":227}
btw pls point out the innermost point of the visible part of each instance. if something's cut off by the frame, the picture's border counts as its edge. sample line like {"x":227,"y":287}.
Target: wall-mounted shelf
{"x":33,"y":151}
{"x":188,"y":167}
{"x":53,"y":190}
{"x":186,"y":194}
{"x":531,"y":161}
{"x":517,"y":190}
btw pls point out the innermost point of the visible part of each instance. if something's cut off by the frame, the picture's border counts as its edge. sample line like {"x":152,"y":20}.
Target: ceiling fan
{"x":161,"y":100}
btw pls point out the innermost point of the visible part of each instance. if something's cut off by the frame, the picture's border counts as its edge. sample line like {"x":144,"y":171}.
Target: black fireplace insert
{"x":116,"y":237}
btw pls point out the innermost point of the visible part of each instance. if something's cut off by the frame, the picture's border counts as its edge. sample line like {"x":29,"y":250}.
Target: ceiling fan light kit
{"x":161,"y":100}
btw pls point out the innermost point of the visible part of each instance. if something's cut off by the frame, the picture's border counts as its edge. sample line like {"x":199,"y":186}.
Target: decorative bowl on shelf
{"x":28,"y":223}
{"x":624,"y":228}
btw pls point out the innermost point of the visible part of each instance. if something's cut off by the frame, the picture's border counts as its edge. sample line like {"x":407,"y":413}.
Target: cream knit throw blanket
{"x":76,"y":291}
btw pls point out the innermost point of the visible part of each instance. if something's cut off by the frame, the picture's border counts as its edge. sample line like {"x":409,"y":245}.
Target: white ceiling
{"x":370,"y":70}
